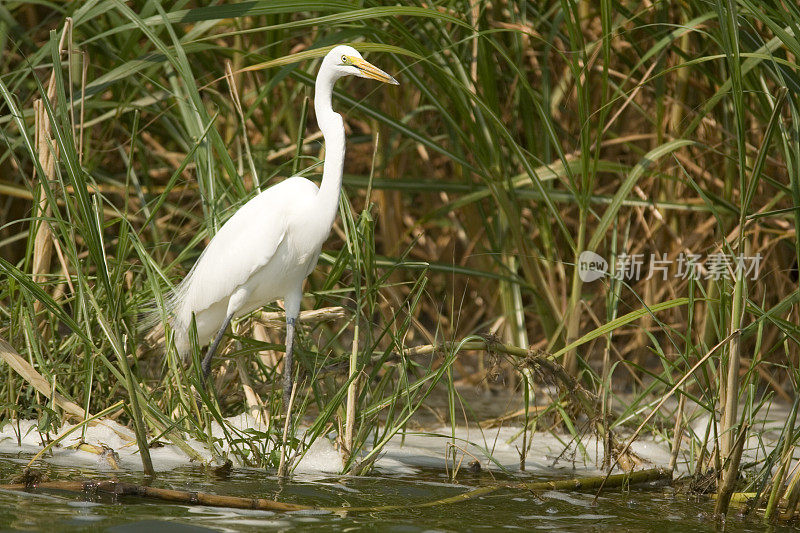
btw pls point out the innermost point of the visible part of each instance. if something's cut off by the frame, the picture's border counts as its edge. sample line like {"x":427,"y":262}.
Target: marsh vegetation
{"x":662,"y":137}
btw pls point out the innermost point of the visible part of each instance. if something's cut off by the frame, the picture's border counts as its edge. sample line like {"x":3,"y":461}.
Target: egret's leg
{"x":287,"y":363}
{"x":206,"y":366}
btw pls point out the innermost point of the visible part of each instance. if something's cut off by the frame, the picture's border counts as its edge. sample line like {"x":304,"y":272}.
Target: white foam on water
{"x":103,"y":433}
{"x":321,"y":457}
{"x":406,"y":453}
{"x":498,"y":449}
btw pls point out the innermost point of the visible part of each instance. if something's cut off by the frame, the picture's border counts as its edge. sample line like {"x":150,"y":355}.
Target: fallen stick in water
{"x":119,"y":488}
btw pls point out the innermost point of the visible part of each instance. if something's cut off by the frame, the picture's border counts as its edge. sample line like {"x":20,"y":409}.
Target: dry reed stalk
{"x":268,"y":357}
{"x":255,"y":406}
{"x":234,"y":92}
{"x":48,"y":154}
{"x":677,"y":433}
{"x":22,"y":367}
{"x":43,"y":241}
{"x":275,"y":319}
{"x":500,"y":420}
{"x":352,"y":392}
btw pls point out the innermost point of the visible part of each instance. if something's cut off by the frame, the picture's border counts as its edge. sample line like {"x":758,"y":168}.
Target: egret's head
{"x":346,"y":61}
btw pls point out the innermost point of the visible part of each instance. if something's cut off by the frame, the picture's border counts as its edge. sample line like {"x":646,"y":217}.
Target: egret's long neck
{"x":332,"y":127}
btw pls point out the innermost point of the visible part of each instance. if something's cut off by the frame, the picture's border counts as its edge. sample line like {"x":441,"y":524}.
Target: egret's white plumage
{"x":270,"y":245}
{"x":258,"y":256}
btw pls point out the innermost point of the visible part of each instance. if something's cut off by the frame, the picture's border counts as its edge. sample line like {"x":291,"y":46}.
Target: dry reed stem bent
{"x":37,"y":381}
{"x":118,"y":488}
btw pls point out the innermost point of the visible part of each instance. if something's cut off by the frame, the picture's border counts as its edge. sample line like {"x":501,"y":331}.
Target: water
{"x":653,"y":510}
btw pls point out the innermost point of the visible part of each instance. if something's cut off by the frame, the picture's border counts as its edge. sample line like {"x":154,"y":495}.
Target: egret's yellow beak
{"x":368,"y":70}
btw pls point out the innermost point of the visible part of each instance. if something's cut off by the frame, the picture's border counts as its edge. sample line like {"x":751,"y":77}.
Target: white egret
{"x":266,"y":250}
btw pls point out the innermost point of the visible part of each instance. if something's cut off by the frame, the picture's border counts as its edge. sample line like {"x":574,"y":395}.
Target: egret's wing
{"x":244,"y":244}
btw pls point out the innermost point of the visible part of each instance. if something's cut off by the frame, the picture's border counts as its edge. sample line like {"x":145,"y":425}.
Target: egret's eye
{"x":344,"y":60}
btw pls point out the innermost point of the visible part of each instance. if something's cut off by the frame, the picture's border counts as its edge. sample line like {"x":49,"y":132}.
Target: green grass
{"x":522,"y":134}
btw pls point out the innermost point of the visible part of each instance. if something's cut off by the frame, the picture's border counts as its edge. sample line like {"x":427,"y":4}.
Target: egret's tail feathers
{"x":151,"y":324}
{"x":155,"y":340}
{"x":166,"y":310}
